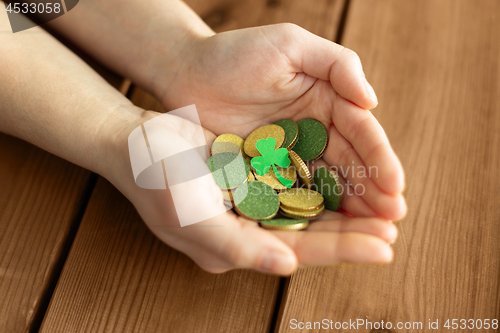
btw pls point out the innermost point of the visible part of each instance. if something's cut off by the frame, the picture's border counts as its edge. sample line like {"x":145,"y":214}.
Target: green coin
{"x":284,"y":224}
{"x":291,"y":132}
{"x":228,"y":169}
{"x":256,"y":201}
{"x":328,"y":185}
{"x":312,"y":141}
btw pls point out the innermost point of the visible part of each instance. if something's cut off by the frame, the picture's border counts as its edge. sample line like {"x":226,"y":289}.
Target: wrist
{"x":173,"y":66}
{"x":114,"y":164}
{"x":166,"y":46}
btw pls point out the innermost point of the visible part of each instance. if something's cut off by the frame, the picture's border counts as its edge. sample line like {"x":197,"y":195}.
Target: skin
{"x":239,"y":80}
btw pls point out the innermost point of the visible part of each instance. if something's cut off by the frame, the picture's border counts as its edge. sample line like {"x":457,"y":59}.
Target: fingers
{"x":368,"y":138}
{"x":209,"y":137}
{"x":239,"y":243}
{"x":336,"y":222}
{"x":213,"y":237}
{"x":351,"y":203}
{"x":341,"y":154}
{"x":348,"y":79}
{"x":314,"y":248}
{"x":231,"y":242}
{"x":328,"y":61}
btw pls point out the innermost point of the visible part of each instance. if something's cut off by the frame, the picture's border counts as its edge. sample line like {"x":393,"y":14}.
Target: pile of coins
{"x":261,"y":197}
{"x":301,"y":203}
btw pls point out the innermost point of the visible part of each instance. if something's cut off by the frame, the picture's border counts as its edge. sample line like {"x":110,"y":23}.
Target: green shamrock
{"x":269,"y":158}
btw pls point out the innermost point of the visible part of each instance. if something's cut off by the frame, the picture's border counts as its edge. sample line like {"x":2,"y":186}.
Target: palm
{"x":243,"y":79}
{"x":243,"y":119}
{"x":261,"y":81}
{"x":271,"y":90}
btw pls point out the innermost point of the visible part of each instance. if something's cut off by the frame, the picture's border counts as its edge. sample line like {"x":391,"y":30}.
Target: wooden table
{"x":75,"y":256}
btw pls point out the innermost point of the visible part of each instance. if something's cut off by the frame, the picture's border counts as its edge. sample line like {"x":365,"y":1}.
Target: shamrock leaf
{"x":280,"y":157}
{"x":261,"y":164}
{"x":269,"y":158}
{"x":266,"y":146}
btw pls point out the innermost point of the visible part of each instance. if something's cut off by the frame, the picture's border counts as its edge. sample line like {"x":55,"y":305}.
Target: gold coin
{"x":323,"y":151}
{"x":302,"y":169}
{"x":228,"y":143}
{"x":228,"y":170}
{"x":227,"y":195}
{"x":313,"y":139}
{"x":270,"y":178}
{"x":339,"y":187}
{"x":301,"y":199}
{"x":303,"y":212}
{"x":302,"y":215}
{"x":252,"y":218}
{"x":291,"y":132}
{"x":264,"y":132}
{"x":251,"y":176}
{"x":328,"y":184}
{"x":290,"y":146}
{"x":228,"y":198}
{"x":234,"y":188}
{"x":295,"y":226}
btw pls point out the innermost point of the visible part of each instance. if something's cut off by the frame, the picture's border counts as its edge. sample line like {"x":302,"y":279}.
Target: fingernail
{"x":278,"y":263}
{"x":392,"y":234}
{"x":370,"y":92}
{"x":387,"y":254}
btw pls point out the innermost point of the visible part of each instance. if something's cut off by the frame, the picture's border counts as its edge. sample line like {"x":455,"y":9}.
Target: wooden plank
{"x":120,"y":278}
{"x":435,"y":66}
{"x":321,"y":17}
{"x":115,"y":255}
{"x":42,"y":200}
{"x":141,"y":98}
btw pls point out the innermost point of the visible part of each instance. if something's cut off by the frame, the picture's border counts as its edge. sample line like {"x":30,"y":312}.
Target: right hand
{"x":243,"y":79}
{"x":229,"y":241}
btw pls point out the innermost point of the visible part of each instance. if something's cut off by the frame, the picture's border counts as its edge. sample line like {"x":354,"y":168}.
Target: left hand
{"x":243,"y":79}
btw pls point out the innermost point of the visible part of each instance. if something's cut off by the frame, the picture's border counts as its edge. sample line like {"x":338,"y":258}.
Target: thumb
{"x":216,"y":239}
{"x":231,"y":242}
{"x":326,"y":60}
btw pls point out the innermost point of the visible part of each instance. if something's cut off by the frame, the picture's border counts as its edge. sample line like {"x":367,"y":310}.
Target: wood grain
{"x":41,"y":199}
{"x":435,"y":66}
{"x":41,"y":203}
{"x":321,"y":17}
{"x":120,"y":278}
{"x":145,"y":100}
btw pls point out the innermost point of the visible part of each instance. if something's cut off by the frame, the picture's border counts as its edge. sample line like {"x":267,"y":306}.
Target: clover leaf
{"x":271,"y":157}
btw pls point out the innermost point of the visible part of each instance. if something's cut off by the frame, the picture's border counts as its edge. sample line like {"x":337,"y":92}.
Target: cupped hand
{"x":227,"y":241}
{"x":240,"y":80}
